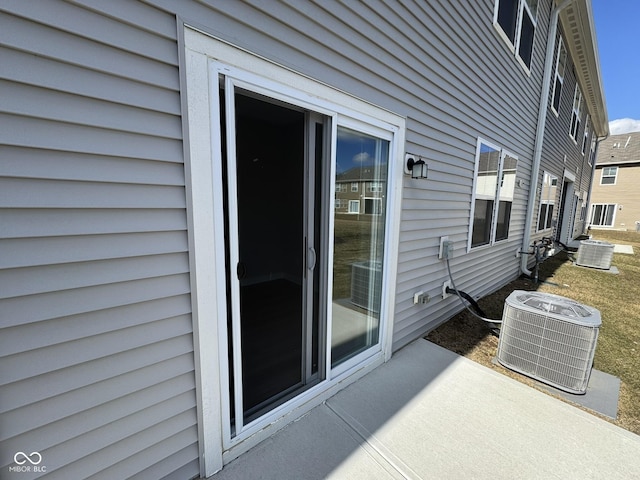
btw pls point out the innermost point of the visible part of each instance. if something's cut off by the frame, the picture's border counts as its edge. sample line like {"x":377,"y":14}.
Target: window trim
{"x":353,"y":203}
{"x":377,"y":201}
{"x":374,"y":187}
{"x":514,"y":47}
{"x":585,"y":136}
{"x":614,"y":206}
{"x":559,"y":77}
{"x":592,"y":150}
{"x":496,"y":199}
{"x":614,"y":176}
{"x":576,"y":113}
{"x":548,"y":221}
{"x":199,"y":55}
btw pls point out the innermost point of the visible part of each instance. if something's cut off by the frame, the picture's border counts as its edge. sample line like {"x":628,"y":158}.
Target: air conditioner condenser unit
{"x":595,"y":254}
{"x":366,"y":284}
{"x":549,"y":338}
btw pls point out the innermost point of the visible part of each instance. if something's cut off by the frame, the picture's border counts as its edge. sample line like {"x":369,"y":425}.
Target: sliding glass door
{"x":305,"y":225}
{"x":358,"y":242}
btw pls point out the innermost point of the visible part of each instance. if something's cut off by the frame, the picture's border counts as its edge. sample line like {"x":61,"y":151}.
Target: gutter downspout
{"x":593,"y":177}
{"x":542,"y":121}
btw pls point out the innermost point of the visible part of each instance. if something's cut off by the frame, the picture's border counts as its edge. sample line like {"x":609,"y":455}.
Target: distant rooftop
{"x":624,"y":148}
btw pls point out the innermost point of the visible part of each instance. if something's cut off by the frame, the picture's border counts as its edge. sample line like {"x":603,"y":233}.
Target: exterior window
{"x":517,"y":21}
{"x":602,"y":215}
{"x":375,"y":187}
{"x":592,"y":153}
{"x":609,"y":175}
{"x":575,"y":113}
{"x":337,"y":204}
{"x":561,"y":63}
{"x":547,"y":201}
{"x":494,"y":187}
{"x":585,"y":138}
{"x":354,"y":186}
{"x":354,"y":206}
{"x":373,"y":206}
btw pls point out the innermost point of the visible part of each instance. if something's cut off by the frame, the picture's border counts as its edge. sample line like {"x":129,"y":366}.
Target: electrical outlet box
{"x":445,"y":285}
{"x":446,"y":248}
{"x":421,"y":297}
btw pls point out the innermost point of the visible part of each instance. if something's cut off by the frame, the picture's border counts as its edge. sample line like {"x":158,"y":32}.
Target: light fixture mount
{"x":416,"y":166}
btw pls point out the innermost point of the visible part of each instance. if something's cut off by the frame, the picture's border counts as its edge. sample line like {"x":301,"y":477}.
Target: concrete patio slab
{"x":601,"y":396}
{"x":627,"y":249}
{"x":429,"y":413}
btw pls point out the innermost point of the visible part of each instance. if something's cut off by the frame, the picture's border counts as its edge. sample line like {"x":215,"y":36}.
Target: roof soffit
{"x":577,"y":23}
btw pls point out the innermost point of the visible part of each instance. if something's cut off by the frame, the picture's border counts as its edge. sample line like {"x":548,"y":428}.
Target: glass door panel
{"x":272,"y":160}
{"x":358,"y":243}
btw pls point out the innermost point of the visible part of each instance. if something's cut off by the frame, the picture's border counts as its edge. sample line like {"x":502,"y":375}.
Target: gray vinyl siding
{"x":558,"y":143}
{"x":444,"y":67}
{"x":95,"y":296}
{"x":96,"y":335}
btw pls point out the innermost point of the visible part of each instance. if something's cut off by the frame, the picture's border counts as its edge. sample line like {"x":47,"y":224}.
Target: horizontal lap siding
{"x":96,"y":338}
{"x":558,"y":143}
{"x":93,"y":199}
{"x":444,"y":67}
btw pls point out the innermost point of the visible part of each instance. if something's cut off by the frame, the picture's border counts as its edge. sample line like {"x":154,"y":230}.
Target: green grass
{"x":617,"y":297}
{"x":352,"y":244}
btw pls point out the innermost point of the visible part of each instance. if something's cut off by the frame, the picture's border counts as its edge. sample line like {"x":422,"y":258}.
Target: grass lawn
{"x":353,"y":238}
{"x":616,"y":296}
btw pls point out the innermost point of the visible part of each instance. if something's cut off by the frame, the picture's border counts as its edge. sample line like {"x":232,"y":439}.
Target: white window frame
{"x":375,"y":187}
{"x":547,"y":201}
{"x":559,"y":77}
{"x":592,"y":150}
{"x":496,"y":200}
{"x":576,"y":113}
{"x":609,"y":175}
{"x":606,"y":206}
{"x":205,"y":59}
{"x":585,"y":137}
{"x":514,"y":46}
{"x":354,"y":186}
{"x":354,"y":207}
{"x":375,"y":201}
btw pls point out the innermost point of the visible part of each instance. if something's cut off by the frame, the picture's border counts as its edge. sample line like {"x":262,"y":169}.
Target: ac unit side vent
{"x":366,"y":278}
{"x":595,"y":254}
{"x":549,"y":338}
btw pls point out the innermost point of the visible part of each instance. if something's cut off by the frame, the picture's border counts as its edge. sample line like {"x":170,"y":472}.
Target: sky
{"x":618,"y":33}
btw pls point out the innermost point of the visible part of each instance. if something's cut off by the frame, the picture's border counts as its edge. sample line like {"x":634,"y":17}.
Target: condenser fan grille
{"x":595,"y":254}
{"x":558,"y":351}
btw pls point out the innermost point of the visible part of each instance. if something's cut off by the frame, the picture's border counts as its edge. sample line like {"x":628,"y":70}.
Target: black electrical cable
{"x":469,"y":299}
{"x":488,"y":320}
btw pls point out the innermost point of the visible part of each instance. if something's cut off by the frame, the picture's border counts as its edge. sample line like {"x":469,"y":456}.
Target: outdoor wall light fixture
{"x":416,"y":166}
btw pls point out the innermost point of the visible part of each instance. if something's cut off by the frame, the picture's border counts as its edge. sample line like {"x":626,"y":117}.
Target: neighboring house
{"x":615,"y":195}
{"x":177,"y":279}
{"x":361,"y":190}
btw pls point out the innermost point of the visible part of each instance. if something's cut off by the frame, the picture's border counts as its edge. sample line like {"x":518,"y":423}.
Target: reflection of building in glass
{"x":361,"y":190}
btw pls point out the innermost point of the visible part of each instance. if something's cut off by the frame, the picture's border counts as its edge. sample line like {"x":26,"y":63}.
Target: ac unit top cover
{"x":559,"y":307}
{"x":597,"y":243}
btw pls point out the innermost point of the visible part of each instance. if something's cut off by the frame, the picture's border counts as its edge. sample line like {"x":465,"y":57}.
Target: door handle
{"x":311,"y":258}
{"x":241,"y":270}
